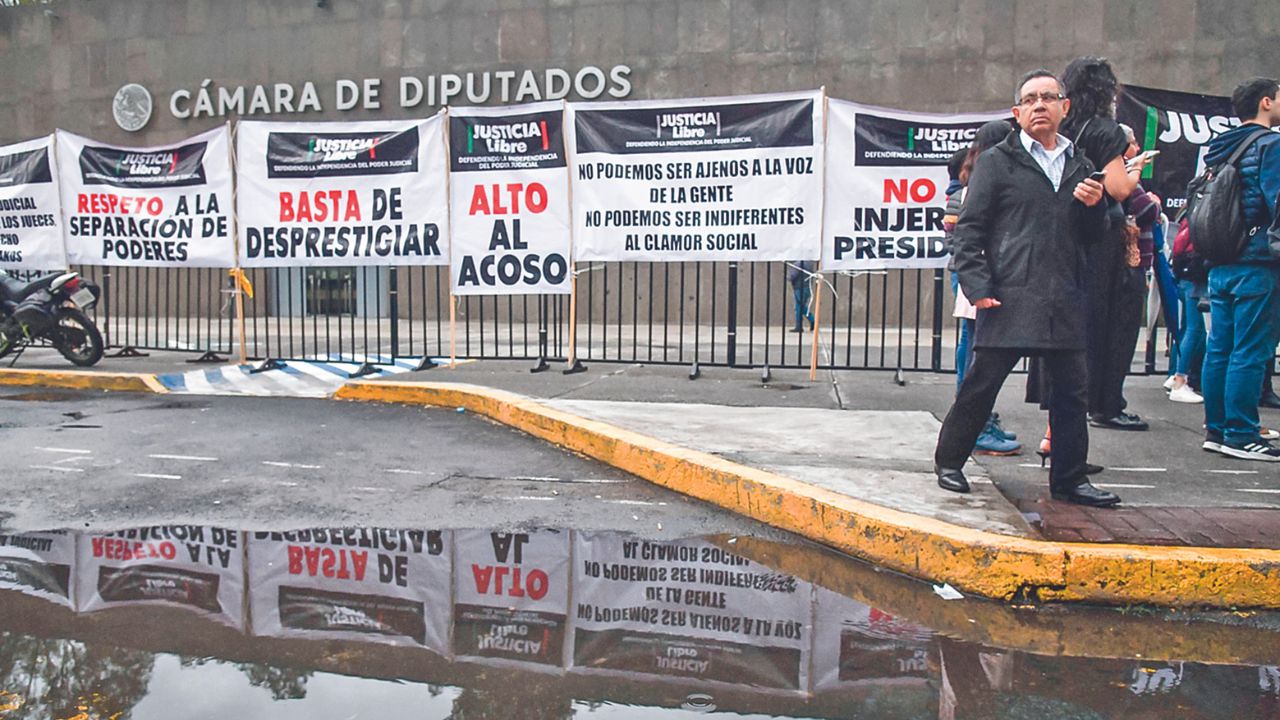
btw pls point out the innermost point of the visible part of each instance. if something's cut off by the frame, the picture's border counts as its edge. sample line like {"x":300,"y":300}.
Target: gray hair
{"x":1037,"y":73}
{"x":1128,"y":133}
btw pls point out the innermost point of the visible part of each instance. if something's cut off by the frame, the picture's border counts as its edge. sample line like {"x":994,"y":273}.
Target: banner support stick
{"x":453,"y":331}
{"x":575,"y":365}
{"x":817,"y":300}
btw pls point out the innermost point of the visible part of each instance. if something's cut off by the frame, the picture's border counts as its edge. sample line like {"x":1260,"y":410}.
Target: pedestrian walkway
{"x":295,"y":378}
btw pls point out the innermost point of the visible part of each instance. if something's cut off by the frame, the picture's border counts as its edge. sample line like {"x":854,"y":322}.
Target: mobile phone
{"x":1139,"y":157}
{"x":1098,"y":176}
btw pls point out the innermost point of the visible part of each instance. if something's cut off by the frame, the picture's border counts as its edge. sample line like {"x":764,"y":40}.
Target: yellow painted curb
{"x":82,"y":380}
{"x":977,"y":562}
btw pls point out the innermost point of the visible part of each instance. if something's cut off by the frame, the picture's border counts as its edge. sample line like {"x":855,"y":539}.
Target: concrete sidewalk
{"x":846,"y":459}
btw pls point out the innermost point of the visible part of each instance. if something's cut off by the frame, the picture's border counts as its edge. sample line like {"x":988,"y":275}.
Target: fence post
{"x":393,"y":295}
{"x":938,"y":290}
{"x":732,"y":324}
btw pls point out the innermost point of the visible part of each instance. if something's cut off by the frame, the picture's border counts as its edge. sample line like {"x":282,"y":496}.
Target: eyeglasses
{"x":1048,"y":97}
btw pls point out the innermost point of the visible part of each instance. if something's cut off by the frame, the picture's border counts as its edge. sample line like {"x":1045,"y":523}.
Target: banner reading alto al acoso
{"x":698,"y":179}
{"x":190,"y":566}
{"x":30,"y":222}
{"x":165,"y":206}
{"x":687,"y":609}
{"x":1179,"y":125}
{"x":512,"y":595}
{"x":362,"y":193}
{"x":886,"y":185}
{"x":510,"y":198}
{"x":39,"y":564}
{"x":371,"y":584}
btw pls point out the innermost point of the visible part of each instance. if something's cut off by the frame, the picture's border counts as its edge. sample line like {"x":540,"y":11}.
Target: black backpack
{"x":1214,"y":214}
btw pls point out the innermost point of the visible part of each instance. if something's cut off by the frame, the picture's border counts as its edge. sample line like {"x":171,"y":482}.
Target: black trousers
{"x":977,"y":396}
{"x":1116,"y":294}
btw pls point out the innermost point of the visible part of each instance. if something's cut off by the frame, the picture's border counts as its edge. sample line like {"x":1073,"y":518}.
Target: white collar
{"x":1064,"y":145}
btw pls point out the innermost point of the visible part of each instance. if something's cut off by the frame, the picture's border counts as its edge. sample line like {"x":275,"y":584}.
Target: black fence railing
{"x":736,"y":314}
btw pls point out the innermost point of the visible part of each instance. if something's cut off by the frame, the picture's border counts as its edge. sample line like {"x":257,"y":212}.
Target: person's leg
{"x":1191,"y":344}
{"x":969,"y":413}
{"x":1102,"y":264}
{"x":1068,"y":402}
{"x":1213,"y":376}
{"x":963,"y":348}
{"x":1122,"y":338}
{"x":1254,"y":342}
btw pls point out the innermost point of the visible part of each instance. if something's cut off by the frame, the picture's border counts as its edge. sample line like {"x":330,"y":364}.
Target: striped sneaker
{"x":1260,"y":450}
{"x":1212,"y":442}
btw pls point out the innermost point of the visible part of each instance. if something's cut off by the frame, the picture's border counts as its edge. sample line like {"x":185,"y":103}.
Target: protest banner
{"x":509,"y":190}
{"x":40,"y":564}
{"x":361,"y":193}
{"x":697,"y":179}
{"x":30,"y":208}
{"x":511,"y":595}
{"x":1179,"y":125}
{"x":886,"y":184}
{"x":687,"y":609}
{"x":190,"y":566}
{"x":856,"y":644}
{"x":163,"y":206}
{"x":368,"y":584}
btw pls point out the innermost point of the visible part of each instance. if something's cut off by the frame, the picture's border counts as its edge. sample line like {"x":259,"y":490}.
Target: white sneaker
{"x":1268,"y":434}
{"x":1168,"y":384}
{"x":1261,"y":450}
{"x":1184,"y":394}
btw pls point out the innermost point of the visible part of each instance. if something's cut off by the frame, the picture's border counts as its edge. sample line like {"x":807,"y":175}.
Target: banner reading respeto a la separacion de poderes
{"x":164,"y":206}
{"x":30,"y":222}
{"x":362,"y":193}
{"x":698,"y":179}
{"x":886,"y":185}
{"x":510,"y":198}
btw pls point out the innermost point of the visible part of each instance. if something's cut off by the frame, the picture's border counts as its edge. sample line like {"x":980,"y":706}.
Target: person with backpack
{"x":1230,"y":208}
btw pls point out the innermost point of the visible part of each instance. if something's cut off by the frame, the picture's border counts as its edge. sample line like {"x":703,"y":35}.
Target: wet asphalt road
{"x":113,"y":460}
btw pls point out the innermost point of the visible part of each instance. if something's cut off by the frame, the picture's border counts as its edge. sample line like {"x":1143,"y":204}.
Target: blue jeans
{"x":1191,"y":343}
{"x":800,"y":294}
{"x":964,"y":346}
{"x":1242,"y":338}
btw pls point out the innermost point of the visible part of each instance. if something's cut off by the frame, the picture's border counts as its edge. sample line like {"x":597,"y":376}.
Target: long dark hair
{"x":989,"y":135}
{"x":1091,"y":85}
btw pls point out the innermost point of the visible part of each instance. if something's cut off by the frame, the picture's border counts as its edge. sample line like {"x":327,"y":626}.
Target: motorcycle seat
{"x":14,"y":290}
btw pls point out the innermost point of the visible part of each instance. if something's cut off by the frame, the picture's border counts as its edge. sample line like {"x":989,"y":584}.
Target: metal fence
{"x":735,"y":314}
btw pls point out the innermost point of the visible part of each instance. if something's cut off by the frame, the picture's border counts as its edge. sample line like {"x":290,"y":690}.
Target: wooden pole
{"x":572,"y":356}
{"x":817,"y":321}
{"x":453,"y":331}
{"x":817,"y":291}
{"x":238,"y":275}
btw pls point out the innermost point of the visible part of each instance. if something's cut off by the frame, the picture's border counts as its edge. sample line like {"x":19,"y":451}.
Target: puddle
{"x":42,"y":396}
{"x":192,"y":621}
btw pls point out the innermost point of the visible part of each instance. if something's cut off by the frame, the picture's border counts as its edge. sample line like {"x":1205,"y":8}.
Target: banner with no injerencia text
{"x":162,"y":206}
{"x":510,"y":199}
{"x":30,"y":216}
{"x":360,"y":193}
{"x":697,"y":179}
{"x":886,"y":185}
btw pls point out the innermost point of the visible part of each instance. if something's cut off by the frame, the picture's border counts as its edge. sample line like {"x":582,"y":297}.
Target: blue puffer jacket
{"x":1260,"y":176}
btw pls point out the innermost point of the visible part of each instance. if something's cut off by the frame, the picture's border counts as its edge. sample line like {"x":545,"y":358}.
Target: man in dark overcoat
{"x":1019,"y":251}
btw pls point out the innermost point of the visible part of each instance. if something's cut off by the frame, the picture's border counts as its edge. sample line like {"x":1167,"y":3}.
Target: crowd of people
{"x":1053,"y":239}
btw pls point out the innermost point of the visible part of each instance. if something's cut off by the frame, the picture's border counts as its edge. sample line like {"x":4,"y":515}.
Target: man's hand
{"x":987,"y":303}
{"x":1088,"y":192}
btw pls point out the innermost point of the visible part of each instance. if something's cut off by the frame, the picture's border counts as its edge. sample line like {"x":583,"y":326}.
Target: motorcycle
{"x":50,"y":308}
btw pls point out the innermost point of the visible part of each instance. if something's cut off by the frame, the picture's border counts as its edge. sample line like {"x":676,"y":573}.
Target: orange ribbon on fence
{"x":242,"y":281}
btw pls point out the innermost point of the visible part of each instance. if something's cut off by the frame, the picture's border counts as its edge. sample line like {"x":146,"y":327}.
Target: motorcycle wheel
{"x":6,"y":345}
{"x":77,"y":338}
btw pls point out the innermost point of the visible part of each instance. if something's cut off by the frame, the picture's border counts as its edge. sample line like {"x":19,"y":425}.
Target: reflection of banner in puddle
{"x":854,"y":642}
{"x":195,"y":567}
{"x":38,"y":564}
{"x":512,"y":593}
{"x":374,"y":584}
{"x":687,"y":609}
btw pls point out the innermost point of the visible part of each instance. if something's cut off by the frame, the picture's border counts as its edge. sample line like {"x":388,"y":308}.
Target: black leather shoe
{"x":1091,"y":469}
{"x":1085,"y":494}
{"x":1123,"y":421}
{"x":1270,"y":400}
{"x":951,"y":479}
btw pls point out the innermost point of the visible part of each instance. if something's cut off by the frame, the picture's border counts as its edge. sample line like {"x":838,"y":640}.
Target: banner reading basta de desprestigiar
{"x":1179,"y":125}
{"x":510,"y":200}
{"x":30,"y":216}
{"x":697,"y":179}
{"x":360,"y":193}
{"x":162,"y":206}
{"x":886,"y":185}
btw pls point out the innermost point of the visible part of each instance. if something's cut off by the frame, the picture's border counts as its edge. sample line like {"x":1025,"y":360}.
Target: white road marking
{"x":366,"y":488}
{"x":634,"y":502}
{"x":1125,"y":486}
{"x":291,"y":465}
{"x":1032,"y":465}
{"x":287,"y":483}
{"x":157,"y":476}
{"x":401,"y":471}
{"x":193,"y":458}
{"x":55,"y":467}
{"x":66,"y":450}
{"x":1262,"y":491}
{"x":243,"y":382}
{"x":73,"y":459}
{"x":525,"y":497}
{"x":1234,"y":472}
{"x":1140,"y":469}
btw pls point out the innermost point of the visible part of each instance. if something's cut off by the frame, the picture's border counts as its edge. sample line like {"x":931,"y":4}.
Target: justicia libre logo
{"x":146,"y":164}
{"x":935,"y":139}
{"x":508,"y":137}
{"x":327,"y":149}
{"x":688,"y":124}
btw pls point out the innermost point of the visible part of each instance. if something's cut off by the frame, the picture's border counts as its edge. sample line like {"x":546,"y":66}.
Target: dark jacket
{"x":1259,"y":179}
{"x":1021,"y":243}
